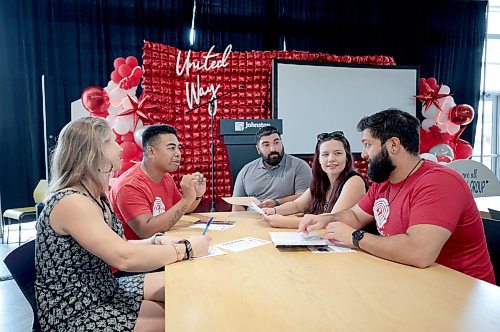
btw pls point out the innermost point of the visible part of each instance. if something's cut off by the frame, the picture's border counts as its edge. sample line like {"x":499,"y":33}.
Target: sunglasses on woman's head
{"x":333,"y":134}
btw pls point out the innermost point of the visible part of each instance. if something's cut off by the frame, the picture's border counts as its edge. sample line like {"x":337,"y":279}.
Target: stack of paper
{"x":288,"y":239}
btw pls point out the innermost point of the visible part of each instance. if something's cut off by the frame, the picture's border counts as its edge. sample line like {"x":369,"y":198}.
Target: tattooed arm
{"x":145,"y":225}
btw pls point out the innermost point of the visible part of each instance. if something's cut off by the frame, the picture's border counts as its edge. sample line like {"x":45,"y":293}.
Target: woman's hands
{"x":200,"y":244}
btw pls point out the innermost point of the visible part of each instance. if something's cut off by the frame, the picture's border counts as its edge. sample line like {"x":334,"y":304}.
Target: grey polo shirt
{"x":291,"y":176}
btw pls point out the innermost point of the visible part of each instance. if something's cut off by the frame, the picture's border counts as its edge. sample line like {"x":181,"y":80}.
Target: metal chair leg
{"x":19,"y":242}
{"x":8,"y":230}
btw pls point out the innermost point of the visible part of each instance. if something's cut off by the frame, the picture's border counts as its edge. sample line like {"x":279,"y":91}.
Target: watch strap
{"x":357,"y":236}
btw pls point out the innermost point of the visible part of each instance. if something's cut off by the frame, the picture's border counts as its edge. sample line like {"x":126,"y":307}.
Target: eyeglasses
{"x":333,"y":134}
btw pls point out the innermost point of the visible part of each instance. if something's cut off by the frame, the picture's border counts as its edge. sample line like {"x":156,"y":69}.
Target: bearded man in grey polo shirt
{"x":276,"y":177}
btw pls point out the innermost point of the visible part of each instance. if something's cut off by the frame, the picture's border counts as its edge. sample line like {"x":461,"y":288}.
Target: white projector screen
{"x":317,"y":97}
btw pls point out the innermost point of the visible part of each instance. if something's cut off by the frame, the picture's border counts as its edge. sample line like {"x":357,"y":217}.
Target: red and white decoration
{"x":175,"y":81}
{"x":441,"y":129}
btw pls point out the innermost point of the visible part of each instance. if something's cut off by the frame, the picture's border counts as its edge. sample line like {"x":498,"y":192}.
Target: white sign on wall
{"x":481,"y":180}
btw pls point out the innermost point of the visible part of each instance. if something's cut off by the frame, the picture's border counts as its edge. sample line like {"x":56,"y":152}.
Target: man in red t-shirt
{"x":424,"y":211}
{"x":145,"y":197}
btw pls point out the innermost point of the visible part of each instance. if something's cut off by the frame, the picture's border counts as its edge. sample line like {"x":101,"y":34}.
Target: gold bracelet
{"x":177,"y":253}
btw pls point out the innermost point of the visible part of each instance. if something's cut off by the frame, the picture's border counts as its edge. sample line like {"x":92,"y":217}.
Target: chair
{"x":21,"y":264}
{"x":25,"y":214}
{"x":495,"y":214}
{"x":492,"y":232}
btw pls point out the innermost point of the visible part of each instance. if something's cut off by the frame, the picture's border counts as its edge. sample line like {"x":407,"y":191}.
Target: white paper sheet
{"x":242,"y":244}
{"x":246,"y":201}
{"x":212,"y":251}
{"x":255,"y":208}
{"x":212,"y":227}
{"x":286,"y":239}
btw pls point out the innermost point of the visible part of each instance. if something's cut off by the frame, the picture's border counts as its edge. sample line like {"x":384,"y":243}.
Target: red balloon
{"x":95,"y":99}
{"x":128,"y":137}
{"x":124,"y":70}
{"x":463,"y":150}
{"x":138,"y":72}
{"x":443,"y":158}
{"x":461,"y":114}
{"x":131,"y":61}
{"x":115,"y":77}
{"x":432,"y":82}
{"x":118,"y":62}
{"x":130,"y":150}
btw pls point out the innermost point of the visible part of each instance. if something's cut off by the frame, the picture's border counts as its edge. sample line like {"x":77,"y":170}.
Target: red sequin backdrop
{"x":166,"y":92}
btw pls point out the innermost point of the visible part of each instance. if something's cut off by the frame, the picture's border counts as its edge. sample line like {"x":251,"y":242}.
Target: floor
{"x":15,"y":311}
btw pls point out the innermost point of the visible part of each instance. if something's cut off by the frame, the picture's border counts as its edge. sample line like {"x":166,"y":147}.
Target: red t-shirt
{"x":435,"y":195}
{"x":134,"y":193}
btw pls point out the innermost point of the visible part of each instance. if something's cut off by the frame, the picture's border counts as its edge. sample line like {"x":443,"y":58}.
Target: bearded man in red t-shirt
{"x":424,"y":211}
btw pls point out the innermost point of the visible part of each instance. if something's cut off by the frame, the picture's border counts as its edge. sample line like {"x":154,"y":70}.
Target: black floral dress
{"x":75,"y":290}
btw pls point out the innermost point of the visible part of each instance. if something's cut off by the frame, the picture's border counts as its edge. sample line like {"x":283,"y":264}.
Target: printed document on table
{"x":288,"y":239}
{"x":212,"y":251}
{"x":212,"y":227}
{"x":242,"y":244}
{"x":246,"y":201}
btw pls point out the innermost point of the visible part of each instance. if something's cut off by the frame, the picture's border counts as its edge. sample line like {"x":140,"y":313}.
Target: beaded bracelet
{"x":177,"y":253}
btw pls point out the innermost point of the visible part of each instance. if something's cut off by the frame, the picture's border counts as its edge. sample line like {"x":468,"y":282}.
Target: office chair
{"x":25,"y":214}
{"x":492,"y":232}
{"x":21,"y":264}
{"x":495,"y":214}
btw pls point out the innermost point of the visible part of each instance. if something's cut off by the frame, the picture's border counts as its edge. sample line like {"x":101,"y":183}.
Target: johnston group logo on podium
{"x":239,"y":126}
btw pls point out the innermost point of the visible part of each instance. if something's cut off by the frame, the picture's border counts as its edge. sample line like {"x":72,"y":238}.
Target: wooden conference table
{"x":270,"y":289}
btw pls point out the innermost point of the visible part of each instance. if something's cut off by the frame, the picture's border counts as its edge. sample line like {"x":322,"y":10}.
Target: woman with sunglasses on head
{"x":79,"y":237}
{"x":335,"y":185}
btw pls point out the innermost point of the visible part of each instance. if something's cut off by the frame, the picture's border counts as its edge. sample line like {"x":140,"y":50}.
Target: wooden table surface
{"x":270,"y":289}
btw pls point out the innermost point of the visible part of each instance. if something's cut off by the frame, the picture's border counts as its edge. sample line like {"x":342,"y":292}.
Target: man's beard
{"x":273,"y":159}
{"x":380,"y":167}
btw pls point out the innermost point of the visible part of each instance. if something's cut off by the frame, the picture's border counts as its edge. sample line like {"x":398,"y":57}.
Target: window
{"x":486,"y":143}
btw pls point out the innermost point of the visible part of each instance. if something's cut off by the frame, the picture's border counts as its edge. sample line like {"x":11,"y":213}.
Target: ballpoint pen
{"x":208,"y":225}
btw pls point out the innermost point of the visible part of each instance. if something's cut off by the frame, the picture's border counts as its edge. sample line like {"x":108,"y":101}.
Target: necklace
{"x":101,"y":204}
{"x":406,"y":178}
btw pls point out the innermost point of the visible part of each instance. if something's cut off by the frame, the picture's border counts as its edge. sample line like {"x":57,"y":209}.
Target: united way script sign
{"x":481,"y":180}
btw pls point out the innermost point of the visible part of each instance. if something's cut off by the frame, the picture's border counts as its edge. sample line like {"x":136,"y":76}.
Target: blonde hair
{"x":78,"y":155}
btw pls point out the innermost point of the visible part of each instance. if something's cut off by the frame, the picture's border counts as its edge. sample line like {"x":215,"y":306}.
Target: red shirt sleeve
{"x":368,"y":199}
{"x":433,"y":204}
{"x":132,"y":202}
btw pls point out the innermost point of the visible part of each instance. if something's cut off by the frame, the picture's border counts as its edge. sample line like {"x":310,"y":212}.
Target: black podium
{"x":239,"y":137}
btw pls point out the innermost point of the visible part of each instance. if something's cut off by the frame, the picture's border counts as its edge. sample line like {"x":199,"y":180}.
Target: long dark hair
{"x":320,"y":182}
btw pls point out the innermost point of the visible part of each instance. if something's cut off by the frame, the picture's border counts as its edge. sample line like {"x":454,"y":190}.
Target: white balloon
{"x":428,"y":156}
{"x":111,"y":85}
{"x":431,"y":113}
{"x":442,"y":150}
{"x":443,"y":117}
{"x":123,"y":124}
{"x":448,"y":105}
{"x":444,"y":89}
{"x":138,"y":136}
{"x":443,"y":127}
{"x":116,"y":96}
{"x":427,"y":123}
{"x":126,"y":104}
{"x":132,"y":91}
{"x":111,"y":119}
{"x":453,"y":128}
{"x":114,"y":110}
